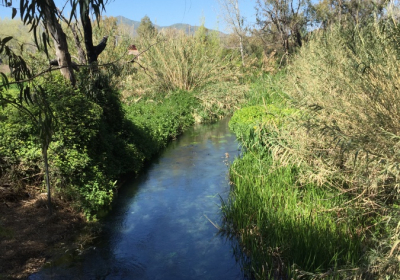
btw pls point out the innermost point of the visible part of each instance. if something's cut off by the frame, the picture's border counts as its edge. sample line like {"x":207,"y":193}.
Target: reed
{"x":346,"y":81}
{"x":176,"y":61}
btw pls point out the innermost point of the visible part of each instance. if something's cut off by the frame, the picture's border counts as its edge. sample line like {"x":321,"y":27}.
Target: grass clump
{"x":347,"y":82}
{"x":198,"y":64}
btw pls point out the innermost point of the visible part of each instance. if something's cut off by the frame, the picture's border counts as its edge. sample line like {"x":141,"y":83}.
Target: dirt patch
{"x":4,"y":68}
{"x":29,"y":236}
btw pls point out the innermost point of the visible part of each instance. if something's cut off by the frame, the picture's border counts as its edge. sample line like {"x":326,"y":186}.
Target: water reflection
{"x":159,"y":227}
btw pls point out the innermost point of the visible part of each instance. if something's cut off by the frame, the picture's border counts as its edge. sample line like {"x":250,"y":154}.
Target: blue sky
{"x":167,"y":12}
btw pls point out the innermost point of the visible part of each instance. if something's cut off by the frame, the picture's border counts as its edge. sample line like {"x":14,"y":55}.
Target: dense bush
{"x":156,"y":121}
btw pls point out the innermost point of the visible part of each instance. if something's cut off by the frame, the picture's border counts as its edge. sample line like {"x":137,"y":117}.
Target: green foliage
{"x":329,"y":12}
{"x":287,"y":229}
{"x":160,"y":120}
{"x":348,"y":93}
{"x":338,"y":150}
{"x":253,"y":121}
{"x":180,"y":62}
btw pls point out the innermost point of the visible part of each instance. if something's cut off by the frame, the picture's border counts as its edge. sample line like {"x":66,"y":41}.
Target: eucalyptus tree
{"x":30,"y":94}
{"x":44,"y":18}
{"x":44,"y":12}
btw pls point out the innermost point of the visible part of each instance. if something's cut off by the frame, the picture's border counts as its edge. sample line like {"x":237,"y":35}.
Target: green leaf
{"x":45,"y":41}
{"x":6,"y":39}
{"x":27,"y":92}
{"x":4,"y":80}
{"x":14,"y":12}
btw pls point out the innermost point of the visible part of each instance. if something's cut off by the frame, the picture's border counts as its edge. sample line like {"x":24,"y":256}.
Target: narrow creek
{"x":159,"y":227}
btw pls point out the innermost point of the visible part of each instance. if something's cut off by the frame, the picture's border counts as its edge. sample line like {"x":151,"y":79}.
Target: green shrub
{"x":346,"y":81}
{"x":160,"y":120}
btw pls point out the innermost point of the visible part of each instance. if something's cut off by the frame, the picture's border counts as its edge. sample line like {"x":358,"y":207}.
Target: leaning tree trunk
{"x":81,"y":52}
{"x":60,"y":42}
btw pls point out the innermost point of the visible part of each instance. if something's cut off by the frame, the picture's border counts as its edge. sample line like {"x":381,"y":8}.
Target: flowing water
{"x":161,"y":225}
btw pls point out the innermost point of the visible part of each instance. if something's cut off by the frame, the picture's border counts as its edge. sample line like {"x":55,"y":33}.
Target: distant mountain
{"x":127,"y":21}
{"x":187,"y":28}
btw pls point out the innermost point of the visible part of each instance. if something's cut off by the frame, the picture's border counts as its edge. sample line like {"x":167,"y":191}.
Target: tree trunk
{"x":47,"y":178}
{"x":241,"y":48}
{"x":81,"y":52}
{"x":87,"y":31}
{"x":92,"y":51}
{"x":60,"y":42}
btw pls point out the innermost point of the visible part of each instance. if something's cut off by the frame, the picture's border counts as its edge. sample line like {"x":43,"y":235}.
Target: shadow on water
{"x":159,"y":227}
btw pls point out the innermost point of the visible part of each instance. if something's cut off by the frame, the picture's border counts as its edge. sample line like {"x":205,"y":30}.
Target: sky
{"x":167,"y":12}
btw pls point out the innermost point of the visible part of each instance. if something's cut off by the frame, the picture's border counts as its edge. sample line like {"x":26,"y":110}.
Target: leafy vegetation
{"x":93,"y":138}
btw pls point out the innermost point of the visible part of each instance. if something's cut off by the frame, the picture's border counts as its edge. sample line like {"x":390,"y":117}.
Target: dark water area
{"x":160,"y":226}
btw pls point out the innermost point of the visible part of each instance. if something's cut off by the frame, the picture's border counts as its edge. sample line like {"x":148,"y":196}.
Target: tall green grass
{"x":173,"y":61}
{"x":347,"y":83}
{"x":286,"y":229}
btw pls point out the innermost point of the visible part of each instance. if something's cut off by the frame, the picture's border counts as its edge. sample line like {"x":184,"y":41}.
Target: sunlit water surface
{"x":160,"y":226}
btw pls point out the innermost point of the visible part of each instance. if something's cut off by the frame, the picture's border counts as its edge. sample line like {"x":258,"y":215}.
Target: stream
{"x":161,"y":224}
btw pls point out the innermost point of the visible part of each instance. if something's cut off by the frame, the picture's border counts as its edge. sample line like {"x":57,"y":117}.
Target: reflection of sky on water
{"x":158,"y":228}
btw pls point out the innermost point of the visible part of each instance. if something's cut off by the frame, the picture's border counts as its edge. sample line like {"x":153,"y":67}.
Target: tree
{"x":231,"y":14}
{"x":34,"y":13}
{"x":328,"y":12}
{"x":146,"y":28}
{"x":44,"y":119}
{"x":285,"y":20}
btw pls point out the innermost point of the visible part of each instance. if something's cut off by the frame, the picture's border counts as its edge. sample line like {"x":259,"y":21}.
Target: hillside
{"x":187,"y":28}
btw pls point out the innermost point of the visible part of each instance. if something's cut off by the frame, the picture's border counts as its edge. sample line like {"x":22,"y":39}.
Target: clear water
{"x":160,"y":226}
